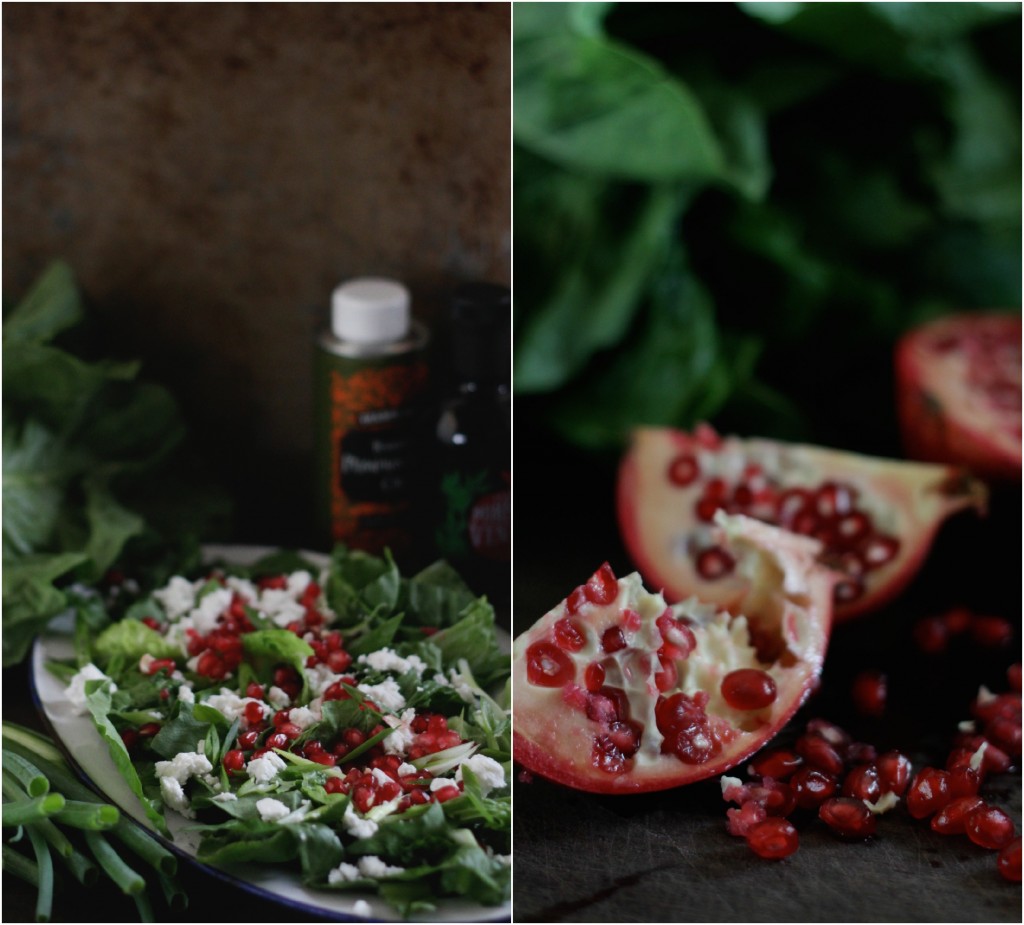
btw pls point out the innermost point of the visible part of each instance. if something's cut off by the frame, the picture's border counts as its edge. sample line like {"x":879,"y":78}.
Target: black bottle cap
{"x":481,"y":332}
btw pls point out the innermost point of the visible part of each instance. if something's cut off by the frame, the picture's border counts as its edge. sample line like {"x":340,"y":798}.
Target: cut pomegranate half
{"x":875,"y":518}
{"x":660,"y":696}
{"x":958,"y":392}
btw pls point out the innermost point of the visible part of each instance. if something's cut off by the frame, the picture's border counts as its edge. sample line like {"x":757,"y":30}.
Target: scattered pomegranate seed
{"x":779,"y":764}
{"x":773,"y":839}
{"x":869,"y":693}
{"x":234,"y":760}
{"x":1009,"y":861}
{"x":928,"y":793}
{"x":951,"y":818}
{"x":847,"y":817}
{"x":740,"y":821}
{"x":1013,"y":676}
{"x":818,"y":753}
{"x":989,"y":827}
{"x":931,"y":635}
{"x":991,"y":632}
{"x":812,"y":787}
{"x":862,"y":783}
{"x":894,"y":772}
{"x":957,"y":620}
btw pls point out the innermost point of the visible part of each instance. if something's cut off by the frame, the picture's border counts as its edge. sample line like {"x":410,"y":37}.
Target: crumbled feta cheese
{"x":361,"y":907}
{"x":174,"y":796}
{"x":343,"y":873}
{"x":280,"y":606}
{"x":231,"y":705}
{"x":389,"y":660}
{"x":278,"y":697}
{"x":177,"y":597}
{"x":462,"y":687}
{"x":319,"y":678}
{"x":489,"y":772}
{"x":356,"y":825}
{"x":183,"y":766}
{"x":405,"y":769}
{"x":75,"y":691}
{"x":265,"y":768}
{"x":380,"y":776}
{"x":372,"y":866}
{"x":386,"y":695}
{"x":298,"y":582}
{"x":204,"y":617}
{"x":271,"y":810}
{"x":438,"y":782}
{"x":226,"y":797}
{"x":186,"y":694}
{"x":244,"y":588}
{"x":303,"y":717}
{"x":398,"y":742}
{"x":145,"y":663}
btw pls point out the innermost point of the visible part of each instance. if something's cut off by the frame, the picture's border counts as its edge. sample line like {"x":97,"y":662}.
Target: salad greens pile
{"x":722,"y":208}
{"x":95,"y":469}
{"x":346,"y":722}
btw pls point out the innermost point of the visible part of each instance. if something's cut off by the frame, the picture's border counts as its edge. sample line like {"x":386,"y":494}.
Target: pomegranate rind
{"x":946,"y":414}
{"x":784,"y":605}
{"x":659,"y":526}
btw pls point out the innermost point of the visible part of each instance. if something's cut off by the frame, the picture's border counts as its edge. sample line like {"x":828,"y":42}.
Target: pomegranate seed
{"x":819,"y":754}
{"x":811,"y":787}
{"x":749,"y":689}
{"x":577,"y":598}
{"x":1013,"y":676}
{"x":994,"y":759}
{"x":613,"y":639}
{"x":706,"y":508}
{"x":254,"y":690}
{"x":676,"y":634}
{"x":991,"y":632}
{"x":869,"y":693}
{"x":683,"y":470}
{"x":791,"y":504}
{"x":548,"y":666}
{"x":625,"y":737}
{"x":152,"y":623}
{"x":667,"y":677}
{"x":685,"y":726}
{"x":847,"y":817}
{"x":277,"y":740}
{"x":334,"y":785}
{"x":989,"y":827}
{"x":928,"y":793}
{"x":234,"y":760}
{"x":146,"y":730}
{"x":894,"y":772}
{"x":602,"y":588}
{"x":964,"y":781}
{"x":851,"y":528}
{"x":880,"y":550}
{"x":1008,"y":861}
{"x":444,"y":794}
{"x":834,"y":499}
{"x":862,"y":783}
{"x":714,"y":563}
{"x":779,"y":764}
{"x":130,"y":737}
{"x":957,"y":620}
{"x":740,"y":821}
{"x":248,"y":738}
{"x":773,"y":839}
{"x":593,"y":677}
{"x":931,"y":635}
{"x":951,"y":818}
{"x":1005,"y":733}
{"x":568,"y":635}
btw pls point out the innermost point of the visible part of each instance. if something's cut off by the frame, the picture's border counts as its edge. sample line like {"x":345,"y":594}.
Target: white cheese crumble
{"x":372,"y":866}
{"x":388,"y":660}
{"x":399,"y":741}
{"x":303,"y":716}
{"x":184,"y":766}
{"x":361,"y":907}
{"x":489,"y":772}
{"x":265,"y":768}
{"x":356,"y":825}
{"x":343,"y":873}
{"x":173,"y":795}
{"x":278,"y":697}
{"x":231,"y":705}
{"x":177,"y":598}
{"x":271,"y":810}
{"x":386,"y":695}
{"x":145,"y":663}
{"x":75,"y":691}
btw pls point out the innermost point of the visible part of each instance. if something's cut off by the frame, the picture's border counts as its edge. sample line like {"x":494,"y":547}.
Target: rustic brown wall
{"x":211,"y":171}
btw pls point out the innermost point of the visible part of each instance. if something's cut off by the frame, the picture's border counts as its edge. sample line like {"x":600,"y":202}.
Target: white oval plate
{"x":88,"y":750}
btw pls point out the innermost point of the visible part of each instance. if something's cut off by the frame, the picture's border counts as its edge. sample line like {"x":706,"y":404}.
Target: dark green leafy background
{"x":723,"y":209}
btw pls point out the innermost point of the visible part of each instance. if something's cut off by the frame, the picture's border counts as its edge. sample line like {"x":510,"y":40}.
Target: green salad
{"x":343,"y":721}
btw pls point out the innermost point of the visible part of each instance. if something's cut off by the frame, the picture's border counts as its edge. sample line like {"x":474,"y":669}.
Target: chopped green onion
{"x":83,"y":815}
{"x":29,"y":776}
{"x":25,"y":812}
{"x":44,"y":896}
{"x":146,"y":847}
{"x":16,"y":863}
{"x":127,"y":879}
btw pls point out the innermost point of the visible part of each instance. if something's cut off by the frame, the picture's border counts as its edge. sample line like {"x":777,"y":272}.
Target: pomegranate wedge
{"x":876,"y":518}
{"x":958,"y":388}
{"x":616,"y":692}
